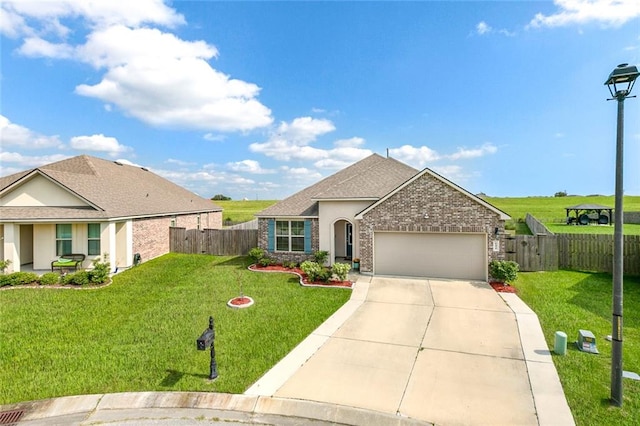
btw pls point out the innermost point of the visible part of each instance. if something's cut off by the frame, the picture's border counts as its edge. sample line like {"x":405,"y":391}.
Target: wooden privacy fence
{"x":585,"y":252}
{"x":219,"y":242}
{"x":591,"y":252}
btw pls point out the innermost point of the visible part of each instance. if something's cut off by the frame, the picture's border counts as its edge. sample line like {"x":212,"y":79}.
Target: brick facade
{"x":281,"y":257}
{"x":429,"y":205}
{"x":151,"y":235}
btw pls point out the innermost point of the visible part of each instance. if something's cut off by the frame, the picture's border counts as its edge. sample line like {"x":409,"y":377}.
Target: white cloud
{"x":291,"y":141}
{"x":464,"y":153}
{"x":148,"y":73}
{"x":415,"y":156}
{"x":180,"y":163}
{"x":214,"y":138}
{"x":28,"y":17}
{"x":606,"y":12}
{"x":37,"y":47}
{"x":423,"y":156}
{"x":248,"y":166}
{"x":16,"y":135}
{"x":100,"y":143}
{"x":483,"y":28}
{"x":349,"y":143}
{"x":26,"y":161}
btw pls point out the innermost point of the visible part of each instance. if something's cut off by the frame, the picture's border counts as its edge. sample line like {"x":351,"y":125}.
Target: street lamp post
{"x":620,"y":83}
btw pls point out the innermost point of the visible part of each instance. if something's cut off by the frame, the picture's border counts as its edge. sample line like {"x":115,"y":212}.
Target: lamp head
{"x":621,"y":80}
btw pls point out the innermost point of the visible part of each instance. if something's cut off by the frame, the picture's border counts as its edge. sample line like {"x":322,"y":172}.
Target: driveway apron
{"x":441,"y":351}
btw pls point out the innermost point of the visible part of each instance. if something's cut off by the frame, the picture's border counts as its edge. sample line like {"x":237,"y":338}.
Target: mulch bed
{"x":502,"y":287}
{"x":303,"y":277}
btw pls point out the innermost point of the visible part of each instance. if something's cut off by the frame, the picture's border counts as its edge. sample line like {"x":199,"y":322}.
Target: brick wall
{"x":428,"y":205}
{"x":280,"y":257}
{"x":151,"y":235}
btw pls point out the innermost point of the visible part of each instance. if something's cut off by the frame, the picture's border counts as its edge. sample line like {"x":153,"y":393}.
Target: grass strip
{"x":569,"y":301}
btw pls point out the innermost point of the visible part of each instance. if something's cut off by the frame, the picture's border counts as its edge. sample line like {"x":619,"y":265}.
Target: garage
{"x":435,"y":255}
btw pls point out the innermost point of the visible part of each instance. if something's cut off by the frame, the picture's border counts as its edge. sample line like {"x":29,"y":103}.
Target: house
{"x":93,"y":206}
{"x":395,"y":219}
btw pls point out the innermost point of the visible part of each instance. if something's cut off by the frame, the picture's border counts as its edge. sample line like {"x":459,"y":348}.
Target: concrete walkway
{"x":400,"y":352}
{"x":446,"y":352}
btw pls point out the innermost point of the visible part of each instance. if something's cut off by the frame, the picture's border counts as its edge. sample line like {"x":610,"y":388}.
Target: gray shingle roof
{"x":115,"y":190}
{"x":369,"y":179}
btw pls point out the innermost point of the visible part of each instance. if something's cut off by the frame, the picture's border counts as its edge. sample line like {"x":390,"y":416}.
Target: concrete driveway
{"x":440,"y":351}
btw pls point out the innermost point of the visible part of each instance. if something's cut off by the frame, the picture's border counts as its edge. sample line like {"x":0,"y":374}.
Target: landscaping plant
{"x":505,"y":271}
{"x":341,"y":270}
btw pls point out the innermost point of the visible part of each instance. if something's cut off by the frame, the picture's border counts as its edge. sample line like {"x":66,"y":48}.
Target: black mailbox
{"x":205,"y":340}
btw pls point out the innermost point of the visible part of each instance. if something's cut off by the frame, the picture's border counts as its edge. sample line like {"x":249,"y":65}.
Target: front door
{"x":349,"y":234}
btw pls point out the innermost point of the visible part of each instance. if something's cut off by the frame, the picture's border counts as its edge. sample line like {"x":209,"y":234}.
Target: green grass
{"x":551,"y":211}
{"x":569,"y":301}
{"x":242,"y":211}
{"x":139,"y":333}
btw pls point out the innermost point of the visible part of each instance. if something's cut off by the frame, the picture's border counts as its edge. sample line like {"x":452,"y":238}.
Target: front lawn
{"x":569,"y":301}
{"x":139,"y":333}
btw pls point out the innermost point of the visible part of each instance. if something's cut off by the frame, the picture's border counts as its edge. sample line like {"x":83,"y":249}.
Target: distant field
{"x":242,"y":211}
{"x":550,"y":210}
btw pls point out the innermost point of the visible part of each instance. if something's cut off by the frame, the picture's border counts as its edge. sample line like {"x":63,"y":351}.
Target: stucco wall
{"x":40,"y":191}
{"x":428,"y":205}
{"x":279,"y":256}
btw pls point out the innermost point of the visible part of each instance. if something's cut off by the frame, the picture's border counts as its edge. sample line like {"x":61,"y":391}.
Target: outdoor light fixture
{"x":621,"y":80}
{"x":620,"y":83}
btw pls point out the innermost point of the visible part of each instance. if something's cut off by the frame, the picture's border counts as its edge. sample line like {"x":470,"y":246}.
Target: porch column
{"x":11,"y":245}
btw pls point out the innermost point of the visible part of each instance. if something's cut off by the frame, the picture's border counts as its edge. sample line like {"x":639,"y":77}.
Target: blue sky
{"x":258,"y":100}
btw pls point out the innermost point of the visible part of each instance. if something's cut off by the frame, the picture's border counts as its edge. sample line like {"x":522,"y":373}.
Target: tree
{"x":220,"y":197}
{"x":560,"y":194}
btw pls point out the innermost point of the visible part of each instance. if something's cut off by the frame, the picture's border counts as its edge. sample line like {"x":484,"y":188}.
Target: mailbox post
{"x":207,"y":339}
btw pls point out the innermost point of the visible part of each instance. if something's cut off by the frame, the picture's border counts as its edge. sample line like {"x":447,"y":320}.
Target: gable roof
{"x":368,"y":179}
{"x":503,"y":215}
{"x":111,"y":190}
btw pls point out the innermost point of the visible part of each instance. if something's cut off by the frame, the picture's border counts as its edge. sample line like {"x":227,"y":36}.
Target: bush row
{"x":98,"y":275}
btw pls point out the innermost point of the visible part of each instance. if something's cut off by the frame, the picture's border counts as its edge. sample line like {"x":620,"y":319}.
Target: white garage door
{"x":457,"y":256}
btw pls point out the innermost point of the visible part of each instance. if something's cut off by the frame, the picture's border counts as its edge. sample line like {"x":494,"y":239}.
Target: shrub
{"x":4,"y":264}
{"x":312,"y":269}
{"x":18,"y":278}
{"x":321,"y":256}
{"x":341,"y":270}
{"x":49,"y":278}
{"x":256,"y":254}
{"x":266,"y":261}
{"x":325,"y":274}
{"x":100,"y":272}
{"x":504,"y":270}
{"x":77,"y":278}
{"x":289,"y":265}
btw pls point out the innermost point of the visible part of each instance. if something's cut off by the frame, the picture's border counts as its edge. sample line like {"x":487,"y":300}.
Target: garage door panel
{"x":457,"y":256}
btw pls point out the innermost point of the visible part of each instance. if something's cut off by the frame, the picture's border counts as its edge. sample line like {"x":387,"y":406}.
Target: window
{"x":290,"y":235}
{"x":63,"y":239}
{"x":93,"y":233}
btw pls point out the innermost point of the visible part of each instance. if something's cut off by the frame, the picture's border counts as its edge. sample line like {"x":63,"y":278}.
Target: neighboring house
{"x":93,"y":206}
{"x":395,"y":219}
